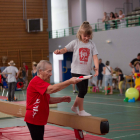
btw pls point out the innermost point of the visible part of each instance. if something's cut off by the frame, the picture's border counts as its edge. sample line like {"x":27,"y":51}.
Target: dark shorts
{"x":82,"y":86}
{"x":1,"y":84}
{"x":100,"y":77}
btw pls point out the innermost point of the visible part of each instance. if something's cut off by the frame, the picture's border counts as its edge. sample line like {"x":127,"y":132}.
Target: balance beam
{"x":90,"y":124}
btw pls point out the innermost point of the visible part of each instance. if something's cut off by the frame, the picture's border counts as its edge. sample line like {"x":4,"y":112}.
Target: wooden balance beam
{"x":90,"y":124}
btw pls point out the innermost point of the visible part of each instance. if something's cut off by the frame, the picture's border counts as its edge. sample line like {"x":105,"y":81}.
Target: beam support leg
{"x":78,"y":134}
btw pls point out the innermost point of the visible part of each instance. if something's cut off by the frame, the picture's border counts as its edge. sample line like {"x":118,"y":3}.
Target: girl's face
{"x":120,"y":12}
{"x":137,"y":65}
{"x":34,"y":67}
{"x":85,"y":38}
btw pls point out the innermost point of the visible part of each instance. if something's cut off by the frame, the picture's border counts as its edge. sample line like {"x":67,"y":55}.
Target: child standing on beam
{"x":84,"y":50}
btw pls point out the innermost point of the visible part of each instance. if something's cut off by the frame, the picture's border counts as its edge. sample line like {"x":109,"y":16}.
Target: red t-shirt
{"x":26,"y":67}
{"x":37,"y":103}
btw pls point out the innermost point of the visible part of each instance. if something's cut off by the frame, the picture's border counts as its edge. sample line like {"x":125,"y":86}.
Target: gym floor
{"x":124,"y":118}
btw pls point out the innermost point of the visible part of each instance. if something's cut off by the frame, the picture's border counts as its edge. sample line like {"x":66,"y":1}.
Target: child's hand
{"x":96,"y":72}
{"x":57,"y":52}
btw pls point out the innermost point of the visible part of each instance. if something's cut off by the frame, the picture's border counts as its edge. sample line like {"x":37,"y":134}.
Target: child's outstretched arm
{"x":62,"y":51}
{"x":96,"y":63}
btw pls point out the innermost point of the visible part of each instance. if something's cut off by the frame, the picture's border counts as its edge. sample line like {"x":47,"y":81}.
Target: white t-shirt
{"x":82,"y":56}
{"x":108,"y":70}
{"x":122,"y":20}
{"x":11,"y":77}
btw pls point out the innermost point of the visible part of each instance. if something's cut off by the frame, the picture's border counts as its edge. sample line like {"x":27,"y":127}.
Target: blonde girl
{"x":84,"y":50}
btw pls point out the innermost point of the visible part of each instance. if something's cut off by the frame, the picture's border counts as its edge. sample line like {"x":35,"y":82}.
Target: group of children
{"x":24,"y":74}
{"x":121,"y":76}
{"x":110,"y":20}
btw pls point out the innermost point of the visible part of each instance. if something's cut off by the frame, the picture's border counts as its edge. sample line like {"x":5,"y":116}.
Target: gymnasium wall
{"x":59,"y":14}
{"x":95,"y":9}
{"x":15,"y":42}
{"x":124,"y":47}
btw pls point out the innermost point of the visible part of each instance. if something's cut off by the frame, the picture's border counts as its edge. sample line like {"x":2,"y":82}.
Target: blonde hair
{"x":85,"y":28}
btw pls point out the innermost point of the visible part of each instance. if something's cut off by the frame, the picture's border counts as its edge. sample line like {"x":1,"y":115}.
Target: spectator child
{"x":120,"y":81}
{"x":136,"y":68}
{"x":1,"y":85}
{"x":121,"y":16}
{"x":134,"y":60}
{"x":107,"y":70}
{"x":26,"y":67}
{"x":34,"y":70}
{"x":100,"y":75}
{"x":112,"y":16}
{"x":23,"y":70}
{"x":116,"y":16}
{"x":105,"y":18}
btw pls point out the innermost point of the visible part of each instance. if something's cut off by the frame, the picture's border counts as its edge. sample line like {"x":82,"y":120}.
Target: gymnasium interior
{"x":31,"y":30}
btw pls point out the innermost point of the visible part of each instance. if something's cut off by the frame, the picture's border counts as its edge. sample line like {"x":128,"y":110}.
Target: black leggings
{"x":82,"y":86}
{"x":36,"y":131}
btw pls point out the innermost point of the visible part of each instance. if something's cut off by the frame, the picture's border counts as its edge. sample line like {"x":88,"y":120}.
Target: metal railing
{"x":130,"y":21}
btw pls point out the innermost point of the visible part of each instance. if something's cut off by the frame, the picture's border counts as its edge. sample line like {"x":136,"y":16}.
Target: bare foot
{"x":105,"y":93}
{"x":110,"y":93}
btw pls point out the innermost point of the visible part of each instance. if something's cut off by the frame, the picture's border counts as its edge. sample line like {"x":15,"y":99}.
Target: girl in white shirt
{"x":84,"y":51}
{"x":121,"y":16}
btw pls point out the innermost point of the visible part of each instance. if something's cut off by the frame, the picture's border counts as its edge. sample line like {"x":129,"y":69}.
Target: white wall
{"x":124,"y":47}
{"x":95,"y":9}
{"x":59,"y":14}
{"x":74,"y":12}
